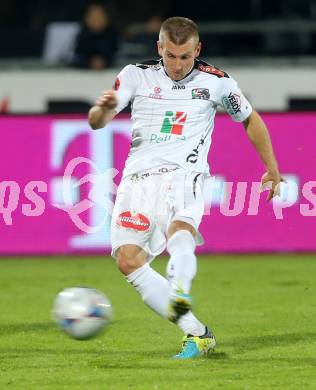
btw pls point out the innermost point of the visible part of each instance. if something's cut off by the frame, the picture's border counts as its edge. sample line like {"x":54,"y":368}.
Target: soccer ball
{"x":82,"y":312}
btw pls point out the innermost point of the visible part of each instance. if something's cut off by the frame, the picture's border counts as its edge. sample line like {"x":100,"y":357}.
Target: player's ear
{"x":159,"y":48}
{"x":198,"y":49}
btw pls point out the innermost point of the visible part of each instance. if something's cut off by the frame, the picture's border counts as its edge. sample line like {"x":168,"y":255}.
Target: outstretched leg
{"x":155,"y":292}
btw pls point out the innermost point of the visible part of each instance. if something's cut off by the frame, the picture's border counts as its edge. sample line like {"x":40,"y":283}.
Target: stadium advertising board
{"x":58,"y":179}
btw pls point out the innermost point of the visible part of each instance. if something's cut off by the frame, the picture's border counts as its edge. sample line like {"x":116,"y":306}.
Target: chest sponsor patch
{"x":173,"y":122}
{"x":136,"y":221}
{"x":201,"y":93}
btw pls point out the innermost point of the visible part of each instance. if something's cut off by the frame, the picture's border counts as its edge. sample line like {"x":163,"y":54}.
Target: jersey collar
{"x":185,"y":78}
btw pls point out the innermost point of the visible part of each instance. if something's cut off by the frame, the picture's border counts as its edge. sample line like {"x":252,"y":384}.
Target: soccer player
{"x":159,"y":203}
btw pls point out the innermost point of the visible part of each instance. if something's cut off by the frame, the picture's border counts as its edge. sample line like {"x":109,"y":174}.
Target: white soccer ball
{"x":82,"y":312}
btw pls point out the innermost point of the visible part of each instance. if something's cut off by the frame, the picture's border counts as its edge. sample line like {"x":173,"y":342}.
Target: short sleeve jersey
{"x":173,"y":121}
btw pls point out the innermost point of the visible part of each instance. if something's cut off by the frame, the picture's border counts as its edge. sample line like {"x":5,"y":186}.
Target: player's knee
{"x":123,"y":265}
{"x":176,"y":226}
{"x":129,"y":259}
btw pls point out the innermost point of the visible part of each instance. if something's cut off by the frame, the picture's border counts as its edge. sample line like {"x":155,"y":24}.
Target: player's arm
{"x":240,"y":110}
{"x":112,"y":101}
{"x":259,"y":136}
{"x":104,"y":110}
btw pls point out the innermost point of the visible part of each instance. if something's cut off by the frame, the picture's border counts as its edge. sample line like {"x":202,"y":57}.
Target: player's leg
{"x":132,"y":227}
{"x":181,"y":269}
{"x":153,"y":287}
{"x":181,"y":245}
{"x":155,"y":291}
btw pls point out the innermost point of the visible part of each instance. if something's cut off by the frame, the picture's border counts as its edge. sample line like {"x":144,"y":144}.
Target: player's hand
{"x":271,"y":181}
{"x":107,"y":100}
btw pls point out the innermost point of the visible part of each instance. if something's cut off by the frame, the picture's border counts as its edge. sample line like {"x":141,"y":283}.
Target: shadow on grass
{"x":218,"y":356}
{"x":267,"y":341}
{"x":34,"y":327}
{"x":116,"y":358}
{"x":295,"y":361}
{"x":288,"y":283}
{"x":7,"y":329}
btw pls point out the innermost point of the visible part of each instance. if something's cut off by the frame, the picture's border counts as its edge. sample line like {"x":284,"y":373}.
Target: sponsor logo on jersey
{"x":200,"y":93}
{"x":211,"y":69}
{"x":160,"y":171}
{"x":193,"y":157}
{"x":157,"y":139}
{"x":175,"y":86}
{"x":136,"y":221}
{"x":117,"y":84}
{"x":234,"y":100}
{"x":156,"y":94}
{"x":172,"y":125}
{"x":157,"y":90}
{"x":149,"y":66}
{"x":232,"y":103}
{"x":173,"y":122}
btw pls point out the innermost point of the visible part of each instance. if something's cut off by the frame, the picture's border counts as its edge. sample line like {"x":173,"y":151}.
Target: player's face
{"x":178,"y":59}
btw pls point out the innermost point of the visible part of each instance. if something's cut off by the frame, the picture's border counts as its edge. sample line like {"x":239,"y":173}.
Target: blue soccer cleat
{"x":195,"y":346}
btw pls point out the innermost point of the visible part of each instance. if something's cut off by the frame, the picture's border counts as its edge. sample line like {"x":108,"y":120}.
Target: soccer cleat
{"x":195,"y":346}
{"x":179,"y":304}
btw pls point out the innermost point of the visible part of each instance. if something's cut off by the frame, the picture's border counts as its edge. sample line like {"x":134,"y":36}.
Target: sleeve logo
{"x":211,"y":69}
{"x":117,"y":84}
{"x":232,"y":103}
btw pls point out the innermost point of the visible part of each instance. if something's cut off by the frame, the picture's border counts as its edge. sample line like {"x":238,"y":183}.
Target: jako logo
{"x":173,"y":122}
{"x":138,"y":221}
{"x":175,"y":86}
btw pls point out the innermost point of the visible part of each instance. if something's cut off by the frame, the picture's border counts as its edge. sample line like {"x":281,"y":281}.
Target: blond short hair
{"x":178,"y":30}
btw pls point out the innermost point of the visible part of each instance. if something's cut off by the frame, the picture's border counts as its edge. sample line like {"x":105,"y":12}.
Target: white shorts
{"x":147,"y":202}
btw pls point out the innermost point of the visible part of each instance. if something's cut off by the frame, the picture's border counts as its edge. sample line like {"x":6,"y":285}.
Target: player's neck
{"x":187,"y":74}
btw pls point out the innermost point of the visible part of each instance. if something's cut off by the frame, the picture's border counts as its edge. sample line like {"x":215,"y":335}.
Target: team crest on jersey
{"x":201,"y":93}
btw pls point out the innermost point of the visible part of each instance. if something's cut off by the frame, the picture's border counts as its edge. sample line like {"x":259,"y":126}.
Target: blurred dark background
{"x":230,"y":28}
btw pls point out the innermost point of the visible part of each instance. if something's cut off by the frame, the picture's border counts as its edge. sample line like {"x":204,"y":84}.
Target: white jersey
{"x":172,"y":120}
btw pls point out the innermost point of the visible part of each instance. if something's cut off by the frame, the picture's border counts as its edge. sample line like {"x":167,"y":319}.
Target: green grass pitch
{"x":262,"y":310}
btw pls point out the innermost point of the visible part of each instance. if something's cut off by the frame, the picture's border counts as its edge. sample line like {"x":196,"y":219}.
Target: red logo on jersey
{"x":117,"y":84}
{"x":137,"y":222}
{"x":173,"y":122}
{"x":157,"y":89}
{"x":156,"y":94}
{"x":211,"y":69}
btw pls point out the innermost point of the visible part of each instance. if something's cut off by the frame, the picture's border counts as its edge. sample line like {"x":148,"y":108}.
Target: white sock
{"x":182,"y":266}
{"x":191,"y":325}
{"x":155,"y":291}
{"x":153,"y":288}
